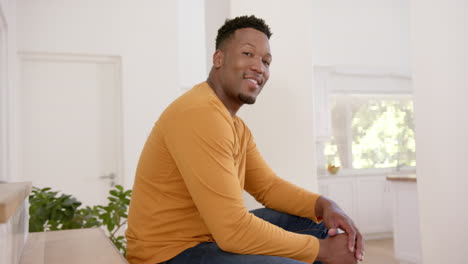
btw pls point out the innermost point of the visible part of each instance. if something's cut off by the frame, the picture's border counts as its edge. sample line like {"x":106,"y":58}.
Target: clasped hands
{"x":338,"y":248}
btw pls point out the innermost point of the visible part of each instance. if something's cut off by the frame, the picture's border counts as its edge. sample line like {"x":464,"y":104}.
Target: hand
{"x":334,"y":218}
{"x":334,"y":250}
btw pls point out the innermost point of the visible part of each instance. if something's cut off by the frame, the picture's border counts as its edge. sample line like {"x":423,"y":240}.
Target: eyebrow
{"x":250,"y":44}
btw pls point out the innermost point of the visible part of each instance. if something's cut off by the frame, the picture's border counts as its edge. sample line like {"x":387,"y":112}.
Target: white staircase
{"x":17,"y":246}
{"x":13,"y":220}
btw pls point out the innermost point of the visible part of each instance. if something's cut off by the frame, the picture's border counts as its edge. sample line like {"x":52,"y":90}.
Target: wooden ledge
{"x":408,"y":178}
{"x":75,"y":246}
{"x":11,"y":197}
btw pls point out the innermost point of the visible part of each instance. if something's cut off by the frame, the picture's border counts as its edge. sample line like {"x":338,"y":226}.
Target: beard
{"x":247,"y":99}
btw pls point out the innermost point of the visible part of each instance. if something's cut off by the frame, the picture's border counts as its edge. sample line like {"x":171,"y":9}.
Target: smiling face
{"x":242,"y":65}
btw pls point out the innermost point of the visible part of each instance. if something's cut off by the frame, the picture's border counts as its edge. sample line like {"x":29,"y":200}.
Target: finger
{"x":350,"y":230}
{"x":351,"y":241}
{"x":331,"y":223}
{"x":359,"y":247}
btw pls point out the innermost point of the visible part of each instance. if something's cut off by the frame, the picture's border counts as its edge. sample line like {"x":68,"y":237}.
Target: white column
{"x":191,"y":43}
{"x":216,"y":12}
{"x":282,"y":119}
{"x":440,"y":66}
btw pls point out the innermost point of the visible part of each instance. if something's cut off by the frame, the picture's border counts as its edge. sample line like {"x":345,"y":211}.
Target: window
{"x":371,"y":131}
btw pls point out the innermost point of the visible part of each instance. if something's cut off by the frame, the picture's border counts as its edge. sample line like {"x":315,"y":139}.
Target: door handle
{"x":111,"y":176}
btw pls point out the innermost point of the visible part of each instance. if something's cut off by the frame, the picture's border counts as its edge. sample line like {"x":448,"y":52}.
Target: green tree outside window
{"x":381,"y":129}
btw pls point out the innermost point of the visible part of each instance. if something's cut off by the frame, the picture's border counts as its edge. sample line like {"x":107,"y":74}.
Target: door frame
{"x":76,"y":58}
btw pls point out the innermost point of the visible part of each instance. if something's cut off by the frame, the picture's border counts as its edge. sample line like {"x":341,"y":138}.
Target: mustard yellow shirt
{"x":188,"y":188}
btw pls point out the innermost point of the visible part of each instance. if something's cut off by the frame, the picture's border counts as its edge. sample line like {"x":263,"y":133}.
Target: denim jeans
{"x":210,"y":253}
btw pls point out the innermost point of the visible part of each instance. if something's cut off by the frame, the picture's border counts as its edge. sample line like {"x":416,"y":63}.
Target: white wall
{"x":191,"y":43}
{"x":8,"y":74}
{"x":143,"y":33}
{"x":440,"y":74}
{"x":361,"y":33}
{"x":282,"y":119}
{"x":3,"y":95}
{"x":150,"y":71}
{"x":216,"y":12}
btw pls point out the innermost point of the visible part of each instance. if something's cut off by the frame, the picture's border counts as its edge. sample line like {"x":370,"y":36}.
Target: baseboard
{"x":381,"y":235}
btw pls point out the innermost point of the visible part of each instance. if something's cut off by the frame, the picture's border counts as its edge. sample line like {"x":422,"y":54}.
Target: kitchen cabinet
{"x":366,"y":199}
{"x":406,"y":235}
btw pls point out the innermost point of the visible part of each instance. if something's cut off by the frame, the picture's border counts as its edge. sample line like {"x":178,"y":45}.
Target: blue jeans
{"x":210,"y":253}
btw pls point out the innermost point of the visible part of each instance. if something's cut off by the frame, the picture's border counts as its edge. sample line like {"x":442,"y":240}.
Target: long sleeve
{"x":274,"y":192}
{"x":189,"y":184}
{"x":206,"y":150}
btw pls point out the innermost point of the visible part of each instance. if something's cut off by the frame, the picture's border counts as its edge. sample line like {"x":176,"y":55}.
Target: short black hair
{"x":231,"y":25}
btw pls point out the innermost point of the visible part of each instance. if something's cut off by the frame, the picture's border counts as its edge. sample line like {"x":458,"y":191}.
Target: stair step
{"x":72,"y":247}
{"x":13,"y":220}
{"x":12,"y":196}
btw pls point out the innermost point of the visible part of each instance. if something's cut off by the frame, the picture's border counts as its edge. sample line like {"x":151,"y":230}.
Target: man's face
{"x":244,"y":65}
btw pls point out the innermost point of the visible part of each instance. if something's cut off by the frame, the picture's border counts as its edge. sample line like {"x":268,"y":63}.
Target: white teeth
{"x":254,"y":81}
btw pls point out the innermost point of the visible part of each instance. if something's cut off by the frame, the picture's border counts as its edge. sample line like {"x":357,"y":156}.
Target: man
{"x":187,"y":204}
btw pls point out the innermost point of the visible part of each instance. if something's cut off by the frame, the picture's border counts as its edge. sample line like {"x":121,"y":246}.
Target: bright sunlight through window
{"x":371,"y":131}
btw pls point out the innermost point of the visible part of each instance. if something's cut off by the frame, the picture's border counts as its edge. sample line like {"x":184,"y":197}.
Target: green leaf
{"x":110,"y":227}
{"x":51,"y":210}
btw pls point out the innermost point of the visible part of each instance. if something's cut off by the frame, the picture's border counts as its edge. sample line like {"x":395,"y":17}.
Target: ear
{"x":218,"y":58}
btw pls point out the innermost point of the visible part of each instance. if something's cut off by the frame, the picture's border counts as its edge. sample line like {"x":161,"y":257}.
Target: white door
{"x":70,"y":124}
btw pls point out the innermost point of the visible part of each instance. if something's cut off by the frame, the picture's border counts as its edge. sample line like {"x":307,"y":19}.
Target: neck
{"x":215,"y":84}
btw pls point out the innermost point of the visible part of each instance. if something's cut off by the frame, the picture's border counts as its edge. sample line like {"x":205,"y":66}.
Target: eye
{"x":267,"y":62}
{"x":247,"y":53}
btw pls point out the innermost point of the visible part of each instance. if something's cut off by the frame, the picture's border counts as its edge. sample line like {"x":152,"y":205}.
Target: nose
{"x":257,"y":65}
